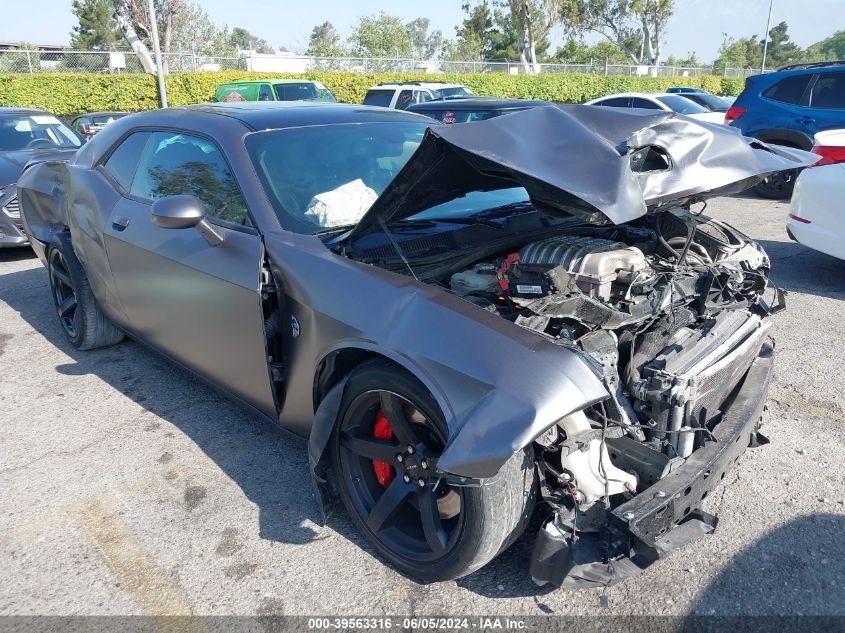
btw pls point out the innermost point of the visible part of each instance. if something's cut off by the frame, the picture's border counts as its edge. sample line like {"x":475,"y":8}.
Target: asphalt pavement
{"x":130,"y":487}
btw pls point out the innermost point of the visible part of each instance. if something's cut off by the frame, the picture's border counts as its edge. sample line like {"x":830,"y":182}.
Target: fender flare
{"x":797,"y":138}
{"x":325,"y":417}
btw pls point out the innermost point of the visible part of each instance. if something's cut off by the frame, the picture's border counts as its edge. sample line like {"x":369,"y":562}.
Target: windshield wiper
{"x":504,"y":210}
{"x":472,"y":219}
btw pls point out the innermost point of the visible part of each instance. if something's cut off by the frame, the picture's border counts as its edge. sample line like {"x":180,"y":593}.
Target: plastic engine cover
{"x":595,"y":262}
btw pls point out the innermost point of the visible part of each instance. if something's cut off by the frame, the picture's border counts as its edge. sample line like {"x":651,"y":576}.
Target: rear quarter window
{"x":789,"y":89}
{"x":829,"y":91}
{"x":123,"y":162}
{"x":378,"y":98}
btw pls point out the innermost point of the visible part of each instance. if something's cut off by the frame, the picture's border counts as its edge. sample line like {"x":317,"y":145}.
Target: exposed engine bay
{"x":669,"y":311}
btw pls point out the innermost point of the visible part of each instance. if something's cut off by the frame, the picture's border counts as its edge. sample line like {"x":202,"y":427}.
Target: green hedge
{"x":68,"y":94}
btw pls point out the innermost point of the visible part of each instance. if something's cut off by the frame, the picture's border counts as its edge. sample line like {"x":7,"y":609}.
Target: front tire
{"x":390,"y":432}
{"x":84,"y":324}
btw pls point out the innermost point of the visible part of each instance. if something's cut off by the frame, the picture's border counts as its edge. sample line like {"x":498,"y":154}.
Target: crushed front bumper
{"x":666,"y":516}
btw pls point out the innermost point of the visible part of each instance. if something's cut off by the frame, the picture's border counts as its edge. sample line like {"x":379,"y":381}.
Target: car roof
{"x":476,"y":103}
{"x":645,"y":95}
{"x":102,"y":113}
{"x":419,"y":84}
{"x":268,"y":115}
{"x":268,"y":81}
{"x":11,"y":111}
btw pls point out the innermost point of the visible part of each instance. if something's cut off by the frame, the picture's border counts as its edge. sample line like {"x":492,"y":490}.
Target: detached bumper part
{"x":666,"y":516}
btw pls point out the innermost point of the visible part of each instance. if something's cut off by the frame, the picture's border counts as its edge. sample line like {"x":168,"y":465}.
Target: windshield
{"x":711,"y":102}
{"x":329,"y":175}
{"x":306,"y":91}
{"x":474,"y":202}
{"x":455,"y":91}
{"x":459,"y":116}
{"x":35,"y":131}
{"x":682,"y":105}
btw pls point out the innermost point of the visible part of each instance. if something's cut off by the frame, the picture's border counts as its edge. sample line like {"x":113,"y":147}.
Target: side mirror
{"x":184,"y":212}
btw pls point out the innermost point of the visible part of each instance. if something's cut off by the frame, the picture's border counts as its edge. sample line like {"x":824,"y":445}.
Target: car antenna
{"x":397,"y":247}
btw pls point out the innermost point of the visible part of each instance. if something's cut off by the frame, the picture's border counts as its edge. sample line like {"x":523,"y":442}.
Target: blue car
{"x":788,"y":107}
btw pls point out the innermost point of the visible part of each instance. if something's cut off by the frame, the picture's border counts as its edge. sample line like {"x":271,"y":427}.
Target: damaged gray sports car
{"x":471,"y":324}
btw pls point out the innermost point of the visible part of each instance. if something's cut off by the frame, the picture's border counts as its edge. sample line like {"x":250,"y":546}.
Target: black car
{"x":462,"y":320}
{"x":466,"y":110}
{"x":26,"y":135}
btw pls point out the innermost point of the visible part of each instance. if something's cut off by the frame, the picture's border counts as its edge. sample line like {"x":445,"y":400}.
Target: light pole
{"x":162,"y":91}
{"x":766,"y":38}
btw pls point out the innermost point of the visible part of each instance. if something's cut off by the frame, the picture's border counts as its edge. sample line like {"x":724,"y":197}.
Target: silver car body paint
{"x":499,"y":385}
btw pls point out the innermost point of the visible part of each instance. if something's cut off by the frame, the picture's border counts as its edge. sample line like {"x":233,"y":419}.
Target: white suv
{"x":400,"y":95}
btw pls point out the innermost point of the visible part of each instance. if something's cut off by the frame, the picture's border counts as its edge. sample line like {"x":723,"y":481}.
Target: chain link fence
{"x":41,"y":61}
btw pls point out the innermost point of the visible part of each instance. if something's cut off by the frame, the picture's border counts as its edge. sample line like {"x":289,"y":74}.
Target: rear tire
{"x":777,"y":186}
{"x":84,"y":324}
{"x":474,"y":524}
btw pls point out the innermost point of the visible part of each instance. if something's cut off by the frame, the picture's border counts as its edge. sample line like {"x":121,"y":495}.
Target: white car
{"x":660,"y":101}
{"x":818,"y":201}
{"x":400,"y":95}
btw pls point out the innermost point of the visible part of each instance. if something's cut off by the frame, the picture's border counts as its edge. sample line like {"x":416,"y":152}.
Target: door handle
{"x":120,"y":223}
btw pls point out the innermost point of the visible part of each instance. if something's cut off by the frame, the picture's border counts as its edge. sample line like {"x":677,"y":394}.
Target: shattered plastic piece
{"x":341,"y":206}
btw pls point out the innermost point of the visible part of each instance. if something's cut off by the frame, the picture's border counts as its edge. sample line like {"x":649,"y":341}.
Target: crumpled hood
{"x":12,"y":163}
{"x":600,"y":163}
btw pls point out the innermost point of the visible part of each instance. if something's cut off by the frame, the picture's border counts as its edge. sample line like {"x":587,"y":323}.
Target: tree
{"x":325,"y":42}
{"x":690,"y":61}
{"x":380,"y":36}
{"x":424,"y":45}
{"x":829,"y":48}
{"x":97,"y":29}
{"x":129,"y":22}
{"x":781,"y":50}
{"x":576,"y":52}
{"x":738,"y":53}
{"x":473,"y":37}
{"x":532,"y":22}
{"x":635,"y":26}
{"x":182,"y":26}
{"x":241,"y":39}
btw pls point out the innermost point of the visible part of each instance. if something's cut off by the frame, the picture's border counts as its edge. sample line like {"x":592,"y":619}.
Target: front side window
{"x":615,"y":102}
{"x":296,"y":92}
{"x":644,"y":104}
{"x":789,"y":89}
{"x":174,"y":164}
{"x":329,"y":175}
{"x":35,"y":131}
{"x":264,"y":93}
{"x":829,"y":91}
{"x":378,"y":98}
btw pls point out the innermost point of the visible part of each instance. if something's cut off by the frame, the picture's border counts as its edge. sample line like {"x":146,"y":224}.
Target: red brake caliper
{"x":382,"y":431}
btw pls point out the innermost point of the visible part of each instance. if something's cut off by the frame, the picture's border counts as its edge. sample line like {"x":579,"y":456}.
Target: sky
{"x":697,"y":25}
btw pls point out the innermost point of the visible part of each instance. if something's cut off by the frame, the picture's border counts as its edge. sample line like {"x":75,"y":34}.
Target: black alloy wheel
{"x":64,"y":293}
{"x":388,"y":451}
